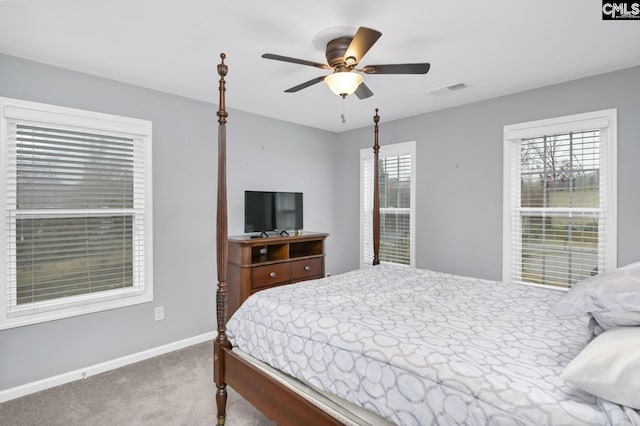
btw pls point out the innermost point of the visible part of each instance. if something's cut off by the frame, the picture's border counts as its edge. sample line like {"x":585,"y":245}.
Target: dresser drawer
{"x":264,"y":276}
{"x":302,"y":269}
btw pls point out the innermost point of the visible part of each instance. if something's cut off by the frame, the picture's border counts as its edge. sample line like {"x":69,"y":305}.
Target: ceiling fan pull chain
{"x":344,"y":120}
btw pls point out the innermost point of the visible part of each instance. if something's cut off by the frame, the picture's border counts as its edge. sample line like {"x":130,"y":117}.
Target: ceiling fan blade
{"x":361,"y":43}
{"x":363,"y":92}
{"x":397,"y":69}
{"x":305,"y":84}
{"x":295,"y":61}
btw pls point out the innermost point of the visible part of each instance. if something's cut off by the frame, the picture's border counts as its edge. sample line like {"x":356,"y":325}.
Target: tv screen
{"x":270,"y":211}
{"x":258,"y":211}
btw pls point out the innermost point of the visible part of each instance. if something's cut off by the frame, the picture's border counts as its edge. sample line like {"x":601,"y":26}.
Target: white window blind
{"x":366,"y":208}
{"x":560,"y":213}
{"x":397,"y":189}
{"x":76,"y":212}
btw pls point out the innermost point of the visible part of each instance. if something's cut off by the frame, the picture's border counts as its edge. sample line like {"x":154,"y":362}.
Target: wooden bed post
{"x":275,"y":399}
{"x":376,"y":193}
{"x":221,"y":342}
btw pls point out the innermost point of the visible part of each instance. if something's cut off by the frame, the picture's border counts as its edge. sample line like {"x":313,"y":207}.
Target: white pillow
{"x":612,"y":291}
{"x":608,"y":320}
{"x":609,"y":367}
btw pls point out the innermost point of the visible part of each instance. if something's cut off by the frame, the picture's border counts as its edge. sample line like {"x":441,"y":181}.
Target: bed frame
{"x":272,"y":398}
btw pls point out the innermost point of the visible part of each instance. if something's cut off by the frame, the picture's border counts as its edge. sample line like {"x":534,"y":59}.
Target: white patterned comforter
{"x":424,"y":348}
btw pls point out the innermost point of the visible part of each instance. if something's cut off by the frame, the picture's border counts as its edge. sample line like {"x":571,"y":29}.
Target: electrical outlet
{"x":158,"y":313}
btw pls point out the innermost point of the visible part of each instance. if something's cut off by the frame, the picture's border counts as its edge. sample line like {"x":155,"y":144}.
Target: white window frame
{"x":606,"y":120}
{"x":142,"y":291}
{"x":392,"y":150}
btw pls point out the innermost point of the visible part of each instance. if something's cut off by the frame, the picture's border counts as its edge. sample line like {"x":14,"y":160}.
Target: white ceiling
{"x":495,"y":47}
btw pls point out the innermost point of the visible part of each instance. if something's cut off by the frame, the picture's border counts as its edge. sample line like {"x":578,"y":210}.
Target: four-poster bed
{"x":398,"y":345}
{"x":275,"y":399}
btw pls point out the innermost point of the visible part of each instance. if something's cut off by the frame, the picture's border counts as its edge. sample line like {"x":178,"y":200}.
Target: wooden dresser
{"x":258,"y":263}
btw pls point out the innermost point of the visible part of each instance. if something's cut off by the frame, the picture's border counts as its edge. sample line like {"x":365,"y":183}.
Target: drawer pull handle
{"x":307,"y":268}
{"x":272,"y":274}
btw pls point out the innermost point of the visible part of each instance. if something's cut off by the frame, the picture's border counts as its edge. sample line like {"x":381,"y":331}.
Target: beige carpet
{"x":172,"y":389}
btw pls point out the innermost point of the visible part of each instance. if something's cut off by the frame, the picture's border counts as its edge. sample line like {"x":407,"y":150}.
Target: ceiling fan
{"x":343,"y":55}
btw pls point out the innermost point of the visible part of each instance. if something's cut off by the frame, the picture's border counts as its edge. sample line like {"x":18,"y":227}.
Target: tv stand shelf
{"x":258,"y":263}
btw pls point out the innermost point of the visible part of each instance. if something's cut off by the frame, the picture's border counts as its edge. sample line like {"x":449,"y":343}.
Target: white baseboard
{"x":83,"y":373}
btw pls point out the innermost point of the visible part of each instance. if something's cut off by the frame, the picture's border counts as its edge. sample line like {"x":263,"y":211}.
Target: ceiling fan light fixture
{"x":343,"y":83}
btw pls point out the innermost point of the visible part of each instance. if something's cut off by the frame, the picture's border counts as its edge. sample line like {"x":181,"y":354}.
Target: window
{"x":75,"y":198}
{"x":560,"y":199}
{"x":397,"y":195}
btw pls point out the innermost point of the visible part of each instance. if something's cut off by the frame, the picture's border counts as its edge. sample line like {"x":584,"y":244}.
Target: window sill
{"x":71,"y":309}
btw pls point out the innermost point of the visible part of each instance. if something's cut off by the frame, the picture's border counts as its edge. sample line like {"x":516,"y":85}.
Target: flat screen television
{"x":272,"y":211}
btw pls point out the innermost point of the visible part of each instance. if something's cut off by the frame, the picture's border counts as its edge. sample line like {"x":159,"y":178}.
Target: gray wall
{"x":459,"y":171}
{"x":459,"y":196}
{"x":262,"y":154}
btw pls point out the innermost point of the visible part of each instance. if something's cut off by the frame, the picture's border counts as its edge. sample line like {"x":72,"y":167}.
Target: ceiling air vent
{"x":447,"y":89}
